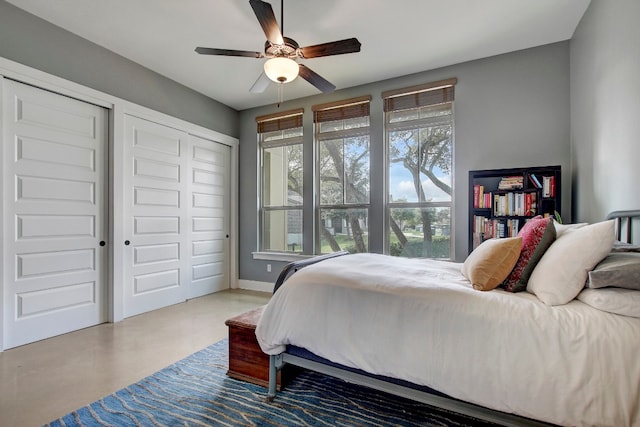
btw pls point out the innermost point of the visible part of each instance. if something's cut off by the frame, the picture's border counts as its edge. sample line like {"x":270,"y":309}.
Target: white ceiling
{"x":398,"y":37}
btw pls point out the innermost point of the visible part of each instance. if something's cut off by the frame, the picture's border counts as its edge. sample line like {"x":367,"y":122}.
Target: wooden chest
{"x":247,"y":362}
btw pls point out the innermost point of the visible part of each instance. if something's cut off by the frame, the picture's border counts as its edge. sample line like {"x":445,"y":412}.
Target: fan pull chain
{"x":280,"y":94}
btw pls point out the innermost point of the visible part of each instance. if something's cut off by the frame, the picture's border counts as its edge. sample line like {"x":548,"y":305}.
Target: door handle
{"x":102,"y":243}
{"x":126,"y":242}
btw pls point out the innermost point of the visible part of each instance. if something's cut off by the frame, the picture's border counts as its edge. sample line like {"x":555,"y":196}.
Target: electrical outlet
{"x":268,"y":268}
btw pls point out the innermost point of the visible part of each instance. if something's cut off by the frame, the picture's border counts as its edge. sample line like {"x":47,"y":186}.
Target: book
{"x":481,"y":200}
{"x":534,"y":204}
{"x":512,"y":228}
{"x":548,"y":186}
{"x":531,"y":204}
{"x":511,"y":182}
{"x":476,"y":196}
{"x":535,"y":180}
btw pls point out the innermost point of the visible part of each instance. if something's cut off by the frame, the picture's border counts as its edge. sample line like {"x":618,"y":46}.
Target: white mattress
{"x":421,"y":321}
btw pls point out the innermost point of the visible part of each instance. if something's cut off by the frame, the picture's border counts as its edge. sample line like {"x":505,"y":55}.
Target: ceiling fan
{"x":283,"y":52}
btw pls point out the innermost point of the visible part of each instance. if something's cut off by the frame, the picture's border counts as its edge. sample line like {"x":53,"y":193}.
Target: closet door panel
{"x":155,"y":250}
{"x":209,"y":216}
{"x":54,"y":163}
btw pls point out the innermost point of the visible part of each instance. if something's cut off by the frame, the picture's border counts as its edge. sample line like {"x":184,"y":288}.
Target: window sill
{"x":279,"y":256}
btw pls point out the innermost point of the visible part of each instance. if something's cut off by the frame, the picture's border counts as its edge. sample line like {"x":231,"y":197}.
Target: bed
{"x":423,"y":330}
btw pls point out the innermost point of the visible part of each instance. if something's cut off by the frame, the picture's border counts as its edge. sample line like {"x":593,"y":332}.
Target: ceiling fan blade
{"x":268,"y":22}
{"x":315,"y":79}
{"x":261,"y":84}
{"x":228,"y":52}
{"x":332,"y":48}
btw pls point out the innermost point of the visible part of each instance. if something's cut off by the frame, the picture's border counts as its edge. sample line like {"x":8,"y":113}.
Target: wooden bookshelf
{"x":502,"y":200}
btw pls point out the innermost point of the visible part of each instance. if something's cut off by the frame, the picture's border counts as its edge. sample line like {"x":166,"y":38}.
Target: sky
{"x":401,"y":186}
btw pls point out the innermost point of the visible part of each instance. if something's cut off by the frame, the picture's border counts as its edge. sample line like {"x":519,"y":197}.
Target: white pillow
{"x":614,"y":300}
{"x":562,"y":272}
{"x":563,"y":228}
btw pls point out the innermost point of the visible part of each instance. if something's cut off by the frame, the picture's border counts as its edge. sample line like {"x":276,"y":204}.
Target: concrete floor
{"x":42,"y":381}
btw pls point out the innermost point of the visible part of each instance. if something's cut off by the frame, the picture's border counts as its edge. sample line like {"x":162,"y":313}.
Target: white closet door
{"x":156,"y":231}
{"x":55,"y":214}
{"x":209,"y":216}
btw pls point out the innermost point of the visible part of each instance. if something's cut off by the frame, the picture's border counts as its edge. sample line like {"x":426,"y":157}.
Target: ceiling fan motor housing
{"x":288,"y":50}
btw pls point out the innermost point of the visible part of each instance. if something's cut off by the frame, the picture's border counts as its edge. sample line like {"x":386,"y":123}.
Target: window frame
{"x":280,"y":122}
{"x":339,"y":110}
{"x":414,"y":98}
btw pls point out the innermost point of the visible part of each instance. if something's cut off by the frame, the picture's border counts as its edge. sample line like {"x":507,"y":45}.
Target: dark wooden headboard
{"x":624,"y":221}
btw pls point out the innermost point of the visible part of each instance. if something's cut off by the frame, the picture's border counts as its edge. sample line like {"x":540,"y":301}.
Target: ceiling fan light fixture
{"x":281,"y":69}
{"x":283,"y":52}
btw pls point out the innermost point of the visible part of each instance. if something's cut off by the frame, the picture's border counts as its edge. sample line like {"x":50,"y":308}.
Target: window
{"x":281,"y":160}
{"x":419,"y":136}
{"x":342,"y":175}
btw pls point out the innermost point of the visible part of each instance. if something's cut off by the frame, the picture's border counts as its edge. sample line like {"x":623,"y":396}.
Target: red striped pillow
{"x":537,"y":235}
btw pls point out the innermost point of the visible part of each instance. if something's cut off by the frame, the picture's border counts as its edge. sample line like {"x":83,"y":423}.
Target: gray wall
{"x":511,"y":110}
{"x":605,"y":109}
{"x":32,"y":41}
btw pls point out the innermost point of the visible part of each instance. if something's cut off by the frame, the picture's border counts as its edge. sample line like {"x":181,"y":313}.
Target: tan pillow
{"x":491,"y":262}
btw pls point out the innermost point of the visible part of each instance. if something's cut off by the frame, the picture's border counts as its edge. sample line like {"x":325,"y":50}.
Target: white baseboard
{"x":254,"y":285}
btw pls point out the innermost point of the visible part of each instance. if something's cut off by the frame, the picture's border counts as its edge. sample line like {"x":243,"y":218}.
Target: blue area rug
{"x":197,"y":392}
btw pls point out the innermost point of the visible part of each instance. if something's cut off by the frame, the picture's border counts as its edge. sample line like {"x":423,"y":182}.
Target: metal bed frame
{"x":303,"y":358}
{"x":624,"y":220}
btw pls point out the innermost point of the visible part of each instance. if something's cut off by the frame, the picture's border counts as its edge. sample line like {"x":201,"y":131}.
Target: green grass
{"x":413,"y":247}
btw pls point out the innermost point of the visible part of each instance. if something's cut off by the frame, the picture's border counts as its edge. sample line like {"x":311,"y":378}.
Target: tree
{"x":404,"y":216}
{"x":294,"y":176}
{"x":344,"y":178}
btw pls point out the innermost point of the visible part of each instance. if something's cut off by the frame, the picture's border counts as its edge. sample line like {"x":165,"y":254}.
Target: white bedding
{"x":421,"y":321}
